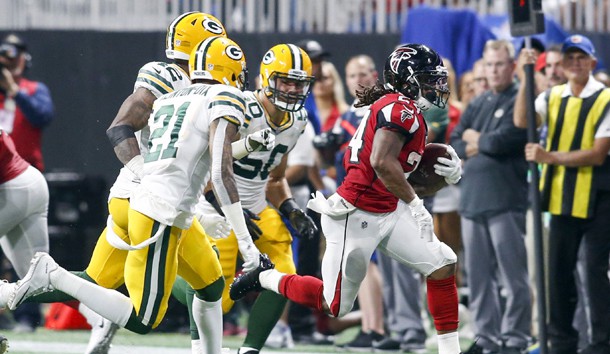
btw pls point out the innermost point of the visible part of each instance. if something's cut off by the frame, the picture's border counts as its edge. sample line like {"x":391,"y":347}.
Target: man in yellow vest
{"x":575,"y":187}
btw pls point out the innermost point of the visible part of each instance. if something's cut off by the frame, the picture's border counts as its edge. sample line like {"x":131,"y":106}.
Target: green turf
{"x":167,"y":340}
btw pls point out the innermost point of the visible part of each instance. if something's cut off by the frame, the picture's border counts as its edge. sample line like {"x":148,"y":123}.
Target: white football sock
{"x":449,"y":343}
{"x":197,"y":346}
{"x":208,"y":317}
{"x":270,"y":279}
{"x":110,"y":304}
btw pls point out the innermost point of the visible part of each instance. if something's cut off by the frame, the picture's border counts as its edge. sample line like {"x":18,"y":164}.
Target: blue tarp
{"x":460,"y":34}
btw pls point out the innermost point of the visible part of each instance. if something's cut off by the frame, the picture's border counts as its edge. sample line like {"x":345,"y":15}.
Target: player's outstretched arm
{"x":222,"y":134}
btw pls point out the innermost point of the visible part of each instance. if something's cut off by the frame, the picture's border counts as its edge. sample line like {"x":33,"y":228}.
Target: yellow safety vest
{"x":572,"y":123}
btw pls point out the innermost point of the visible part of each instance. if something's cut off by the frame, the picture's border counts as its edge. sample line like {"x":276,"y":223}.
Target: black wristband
{"x":288,"y":206}
{"x":211,"y":198}
{"x":119,"y":133}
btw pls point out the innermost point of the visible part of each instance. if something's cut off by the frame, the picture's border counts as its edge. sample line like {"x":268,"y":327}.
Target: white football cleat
{"x":6,"y":289}
{"x":102,"y":334}
{"x":36,"y":281}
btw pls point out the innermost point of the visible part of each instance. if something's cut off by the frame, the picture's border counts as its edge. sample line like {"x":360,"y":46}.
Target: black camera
{"x":327,"y":140}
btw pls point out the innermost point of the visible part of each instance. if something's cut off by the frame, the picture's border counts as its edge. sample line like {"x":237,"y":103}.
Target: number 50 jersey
{"x":178,"y":160}
{"x":252,"y":171}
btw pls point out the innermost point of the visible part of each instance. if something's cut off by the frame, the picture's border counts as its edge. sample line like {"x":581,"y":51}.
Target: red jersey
{"x":11,"y":164}
{"x":361,"y":186}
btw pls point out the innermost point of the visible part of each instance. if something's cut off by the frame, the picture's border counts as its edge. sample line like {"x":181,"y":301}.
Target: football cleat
{"x":36,"y":281}
{"x":248,"y":282}
{"x":102,"y":333}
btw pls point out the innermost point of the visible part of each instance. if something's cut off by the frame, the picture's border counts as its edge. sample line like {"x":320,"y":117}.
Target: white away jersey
{"x":159,"y":78}
{"x":252,"y":171}
{"x":178,"y":159}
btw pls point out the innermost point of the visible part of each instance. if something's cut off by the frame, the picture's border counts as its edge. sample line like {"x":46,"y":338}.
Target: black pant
{"x":565,"y":237}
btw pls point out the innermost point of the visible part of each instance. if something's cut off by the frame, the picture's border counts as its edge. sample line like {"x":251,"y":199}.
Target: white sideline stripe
{"x":72,"y":348}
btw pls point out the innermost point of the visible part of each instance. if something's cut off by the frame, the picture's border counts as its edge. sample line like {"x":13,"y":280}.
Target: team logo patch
{"x":400,"y":54}
{"x":269,"y":57}
{"x":234,"y":52}
{"x":406,"y":114}
{"x":212,"y":26}
{"x":365,"y":224}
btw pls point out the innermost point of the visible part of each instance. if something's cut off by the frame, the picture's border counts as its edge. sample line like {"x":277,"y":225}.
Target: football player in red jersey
{"x":376,"y":207}
{"x":23,"y":216}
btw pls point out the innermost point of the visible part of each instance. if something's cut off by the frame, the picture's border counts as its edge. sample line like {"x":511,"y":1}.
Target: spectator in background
{"x":25,"y":109}
{"x":317,"y":54}
{"x":493,"y":206}
{"x":446,"y":200}
{"x":575,"y":187}
{"x":466,"y":83}
{"x":25,"y":105}
{"x":301,"y":320}
{"x":329,"y":96}
{"x":553,"y":70}
{"x":330,"y":101}
{"x":480,"y":79}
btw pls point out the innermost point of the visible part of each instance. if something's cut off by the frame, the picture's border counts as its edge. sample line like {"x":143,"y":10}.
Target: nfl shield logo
{"x":365,"y":224}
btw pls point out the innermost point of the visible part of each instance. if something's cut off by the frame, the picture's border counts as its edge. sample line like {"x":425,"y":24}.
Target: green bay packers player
{"x":285,"y":73}
{"x":191,"y":134}
{"x":154,"y":79}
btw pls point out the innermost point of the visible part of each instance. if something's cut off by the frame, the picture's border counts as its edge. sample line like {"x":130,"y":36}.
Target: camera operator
{"x":25,"y":105}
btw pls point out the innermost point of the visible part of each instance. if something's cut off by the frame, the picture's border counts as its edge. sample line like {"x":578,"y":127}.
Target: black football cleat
{"x":248,"y":282}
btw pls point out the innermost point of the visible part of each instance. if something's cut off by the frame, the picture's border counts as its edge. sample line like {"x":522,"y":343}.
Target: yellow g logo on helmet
{"x":187,"y":30}
{"x":219,"y":59}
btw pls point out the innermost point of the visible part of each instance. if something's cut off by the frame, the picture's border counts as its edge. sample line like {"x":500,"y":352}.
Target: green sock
{"x":179,"y":291}
{"x":264,"y":314}
{"x":190,"y":293}
{"x":56,"y":295}
{"x":183,"y":292}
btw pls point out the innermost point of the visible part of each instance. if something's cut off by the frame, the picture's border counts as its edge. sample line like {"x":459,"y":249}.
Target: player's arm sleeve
{"x":226,"y":112}
{"x":38,"y":107}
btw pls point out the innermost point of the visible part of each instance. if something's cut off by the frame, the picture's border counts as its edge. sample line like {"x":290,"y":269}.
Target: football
{"x":424,"y":175}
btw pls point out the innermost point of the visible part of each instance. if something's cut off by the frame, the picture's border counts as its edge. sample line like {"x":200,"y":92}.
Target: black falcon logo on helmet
{"x":398,"y":55}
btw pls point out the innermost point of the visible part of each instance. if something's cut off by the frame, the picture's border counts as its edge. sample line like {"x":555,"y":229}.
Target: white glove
{"x":262,"y":140}
{"x":249,"y":252}
{"x":215,"y":225}
{"x":422,"y":217}
{"x":450,"y":169}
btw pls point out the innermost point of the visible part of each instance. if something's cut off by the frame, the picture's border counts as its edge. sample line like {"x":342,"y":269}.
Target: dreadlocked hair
{"x":370,"y":94}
